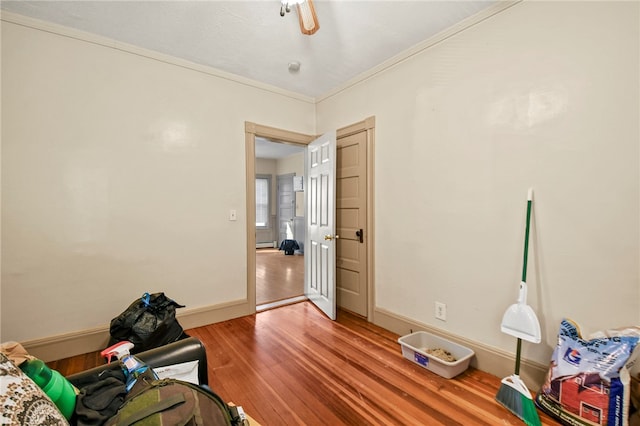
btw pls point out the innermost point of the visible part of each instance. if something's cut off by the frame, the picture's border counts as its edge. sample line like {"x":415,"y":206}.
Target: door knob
{"x":329,"y":237}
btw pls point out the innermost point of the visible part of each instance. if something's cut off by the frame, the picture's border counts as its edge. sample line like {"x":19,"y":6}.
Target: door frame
{"x":253,"y":130}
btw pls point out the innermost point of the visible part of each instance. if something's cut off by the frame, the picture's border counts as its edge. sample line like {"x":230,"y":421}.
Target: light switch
{"x":233,"y":215}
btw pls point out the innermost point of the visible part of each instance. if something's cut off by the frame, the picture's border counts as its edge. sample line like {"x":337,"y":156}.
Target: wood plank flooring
{"x":292,"y":366}
{"x":278,"y":276}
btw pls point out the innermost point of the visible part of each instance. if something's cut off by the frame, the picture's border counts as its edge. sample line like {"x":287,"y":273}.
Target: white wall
{"x":118,"y":174}
{"x":293,"y":163}
{"x":543,"y":95}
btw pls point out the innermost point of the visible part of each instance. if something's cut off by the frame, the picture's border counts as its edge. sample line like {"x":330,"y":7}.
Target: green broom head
{"x":514,"y":395}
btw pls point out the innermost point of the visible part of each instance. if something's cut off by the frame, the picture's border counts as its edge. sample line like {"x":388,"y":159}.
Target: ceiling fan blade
{"x":307,"y":16}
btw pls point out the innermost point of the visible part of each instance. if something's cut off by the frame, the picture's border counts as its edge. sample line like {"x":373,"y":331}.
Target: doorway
{"x":349,"y":284}
{"x":279,"y":273}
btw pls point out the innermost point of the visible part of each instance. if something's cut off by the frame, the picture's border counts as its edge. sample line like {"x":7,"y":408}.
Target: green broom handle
{"x":526,"y":242}
{"x":518,"y":350}
{"x":524,"y":273}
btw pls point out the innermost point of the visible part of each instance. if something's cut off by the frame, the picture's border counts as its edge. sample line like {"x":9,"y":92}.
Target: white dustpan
{"x":520,"y":320}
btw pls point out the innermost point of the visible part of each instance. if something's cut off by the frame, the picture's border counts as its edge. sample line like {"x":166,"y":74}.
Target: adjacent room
{"x":455,"y":160}
{"x":280,"y":223}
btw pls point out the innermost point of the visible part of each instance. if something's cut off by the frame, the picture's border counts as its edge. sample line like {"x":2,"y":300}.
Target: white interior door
{"x":320,"y":250}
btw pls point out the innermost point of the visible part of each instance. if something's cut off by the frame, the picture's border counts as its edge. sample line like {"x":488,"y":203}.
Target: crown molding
{"x":87,"y":37}
{"x":61,"y":30}
{"x":469,"y":22}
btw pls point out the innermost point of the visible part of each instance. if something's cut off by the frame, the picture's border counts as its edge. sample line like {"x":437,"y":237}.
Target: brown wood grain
{"x":278,"y":276}
{"x":292,"y":366}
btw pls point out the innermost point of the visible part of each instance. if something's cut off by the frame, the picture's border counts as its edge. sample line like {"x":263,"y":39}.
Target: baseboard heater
{"x":264,"y":245}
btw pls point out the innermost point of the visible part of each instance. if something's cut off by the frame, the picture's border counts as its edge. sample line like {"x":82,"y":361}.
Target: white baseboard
{"x":83,"y":341}
{"x":487,"y":358}
{"x":265,"y":245}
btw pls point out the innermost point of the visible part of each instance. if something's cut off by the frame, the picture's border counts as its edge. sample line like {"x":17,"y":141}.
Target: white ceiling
{"x":252,"y":40}
{"x":275,"y":150}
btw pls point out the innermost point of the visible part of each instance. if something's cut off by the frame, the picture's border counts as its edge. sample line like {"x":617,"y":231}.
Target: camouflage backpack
{"x":153,"y":402}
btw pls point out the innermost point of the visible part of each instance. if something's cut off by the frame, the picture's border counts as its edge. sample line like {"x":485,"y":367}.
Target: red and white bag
{"x":589,"y":380}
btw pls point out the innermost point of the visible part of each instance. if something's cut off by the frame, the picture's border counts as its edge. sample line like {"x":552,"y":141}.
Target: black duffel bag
{"x":148,"y":322}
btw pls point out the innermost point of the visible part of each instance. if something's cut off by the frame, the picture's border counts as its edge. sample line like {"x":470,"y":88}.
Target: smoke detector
{"x":294,"y":66}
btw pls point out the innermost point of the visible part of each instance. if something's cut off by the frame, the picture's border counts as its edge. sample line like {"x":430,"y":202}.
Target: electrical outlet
{"x":441,"y":311}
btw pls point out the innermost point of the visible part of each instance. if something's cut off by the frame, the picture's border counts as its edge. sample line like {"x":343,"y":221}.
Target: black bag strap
{"x":158,"y":407}
{"x":229,"y":412}
{"x":146,"y":382}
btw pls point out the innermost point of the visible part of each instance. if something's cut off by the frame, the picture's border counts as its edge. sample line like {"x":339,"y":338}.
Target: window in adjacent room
{"x":263,"y":185}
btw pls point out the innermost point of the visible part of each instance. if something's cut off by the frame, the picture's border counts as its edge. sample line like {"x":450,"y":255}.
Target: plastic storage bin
{"x":414,"y":348}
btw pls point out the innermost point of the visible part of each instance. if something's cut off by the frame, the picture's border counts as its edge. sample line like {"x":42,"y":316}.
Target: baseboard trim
{"x":69,"y":344}
{"x":487,"y":358}
{"x":265,"y":245}
{"x":80,"y":342}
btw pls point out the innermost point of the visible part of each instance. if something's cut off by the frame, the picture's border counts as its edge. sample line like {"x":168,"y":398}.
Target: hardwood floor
{"x":293,"y":366}
{"x":278,"y":276}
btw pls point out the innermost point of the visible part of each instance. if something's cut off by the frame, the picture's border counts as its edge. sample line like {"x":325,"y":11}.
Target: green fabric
{"x":170,"y":402}
{"x":147,"y":405}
